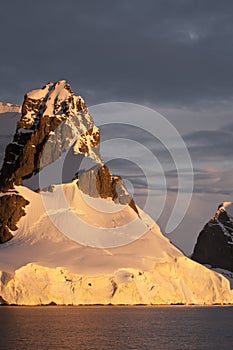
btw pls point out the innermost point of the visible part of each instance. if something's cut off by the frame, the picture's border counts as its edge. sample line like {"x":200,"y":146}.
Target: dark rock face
{"x":215,"y":242}
{"x":99,"y":182}
{"x":51,"y":118}
{"x":11,"y":210}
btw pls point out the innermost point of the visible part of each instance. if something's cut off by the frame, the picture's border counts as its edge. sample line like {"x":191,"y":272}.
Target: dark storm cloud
{"x":160,"y":51}
{"x":206,"y":144}
{"x":211,"y":181}
{"x":229,"y":128}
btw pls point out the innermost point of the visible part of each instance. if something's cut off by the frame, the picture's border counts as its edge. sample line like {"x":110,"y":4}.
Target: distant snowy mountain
{"x":86,"y":241}
{"x":214,"y":245}
{"x":9,"y":116}
{"x":9,"y":108}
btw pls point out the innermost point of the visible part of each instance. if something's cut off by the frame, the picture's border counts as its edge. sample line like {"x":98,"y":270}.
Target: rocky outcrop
{"x":215,"y":242}
{"x":11,"y":210}
{"x":52,"y":118}
{"x":99,"y":182}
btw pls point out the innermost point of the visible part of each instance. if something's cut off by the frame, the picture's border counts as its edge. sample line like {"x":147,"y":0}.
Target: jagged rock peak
{"x":215,"y":242}
{"x":52,"y":117}
{"x":54,"y":99}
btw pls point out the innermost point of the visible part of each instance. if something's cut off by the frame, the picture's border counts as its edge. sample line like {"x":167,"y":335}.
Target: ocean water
{"x":102,"y":328}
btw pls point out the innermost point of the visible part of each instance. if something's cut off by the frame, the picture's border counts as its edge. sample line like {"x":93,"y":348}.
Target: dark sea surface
{"x":120,"y":328}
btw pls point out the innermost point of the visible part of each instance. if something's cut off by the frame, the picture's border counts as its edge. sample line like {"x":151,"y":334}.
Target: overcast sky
{"x":175,"y":56}
{"x":168,"y":52}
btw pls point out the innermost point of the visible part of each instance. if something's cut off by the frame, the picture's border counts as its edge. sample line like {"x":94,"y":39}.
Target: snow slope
{"x":41,"y":264}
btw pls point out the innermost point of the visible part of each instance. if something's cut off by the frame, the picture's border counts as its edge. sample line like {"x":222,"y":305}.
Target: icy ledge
{"x":169,"y":283}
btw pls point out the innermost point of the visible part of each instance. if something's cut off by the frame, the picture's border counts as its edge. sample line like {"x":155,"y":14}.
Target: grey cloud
{"x":212,"y":145}
{"x":214,"y":181}
{"x":207,"y":181}
{"x":179,"y":51}
{"x":228,"y":128}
